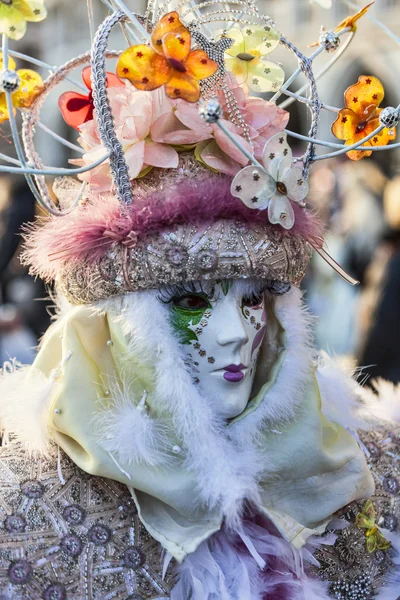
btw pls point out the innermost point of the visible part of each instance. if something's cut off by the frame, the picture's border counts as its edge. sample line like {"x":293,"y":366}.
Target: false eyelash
{"x":277,"y":288}
{"x":176,"y":290}
{"x":273,"y":287}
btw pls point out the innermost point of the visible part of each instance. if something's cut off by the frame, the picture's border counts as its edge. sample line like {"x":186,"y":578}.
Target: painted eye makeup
{"x":192,"y":302}
{"x":188,"y":296}
{"x":253,"y":300}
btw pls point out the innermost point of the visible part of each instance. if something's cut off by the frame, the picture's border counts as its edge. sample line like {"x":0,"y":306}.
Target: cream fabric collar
{"x":281,"y":453}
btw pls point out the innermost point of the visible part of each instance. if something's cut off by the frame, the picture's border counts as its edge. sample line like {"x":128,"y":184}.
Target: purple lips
{"x":233,"y":373}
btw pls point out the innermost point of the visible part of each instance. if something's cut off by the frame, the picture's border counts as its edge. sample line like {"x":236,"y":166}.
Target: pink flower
{"x":135,"y":113}
{"x":263,"y":119}
{"x":152,"y":128}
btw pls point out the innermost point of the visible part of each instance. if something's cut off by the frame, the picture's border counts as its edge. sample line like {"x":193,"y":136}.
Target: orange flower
{"x":168,"y":62}
{"x":361,"y":116}
{"x":352,"y":20}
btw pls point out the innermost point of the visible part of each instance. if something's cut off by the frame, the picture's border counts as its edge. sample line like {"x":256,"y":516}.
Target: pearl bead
{"x":57,"y":411}
{"x":176,"y":449}
{"x":110,"y":343}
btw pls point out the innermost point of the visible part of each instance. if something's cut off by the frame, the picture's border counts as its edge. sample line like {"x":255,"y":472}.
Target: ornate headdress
{"x":183,"y":174}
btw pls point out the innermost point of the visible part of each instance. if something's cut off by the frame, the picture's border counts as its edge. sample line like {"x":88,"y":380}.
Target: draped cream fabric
{"x":317,"y":466}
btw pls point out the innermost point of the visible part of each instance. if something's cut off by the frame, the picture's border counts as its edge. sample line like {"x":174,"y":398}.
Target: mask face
{"x":221,"y":327}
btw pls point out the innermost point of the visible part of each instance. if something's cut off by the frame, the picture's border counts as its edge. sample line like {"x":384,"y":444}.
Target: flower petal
{"x":75,"y":108}
{"x":160,"y":155}
{"x":366,"y":92}
{"x":281,"y":211}
{"x":31,"y":10}
{"x":11,"y":63}
{"x":211,"y":155}
{"x":200,"y":66}
{"x":238,"y":68}
{"x":112,"y":80}
{"x":277,"y":156}
{"x":297,"y":187}
{"x":176,"y":45}
{"x":238,"y":42}
{"x":12,"y":21}
{"x":358,"y":154}
{"x":263,"y":39}
{"x":183,"y":85}
{"x":345,"y":126}
{"x":86,"y":76}
{"x":169,"y":22}
{"x":264,"y":76}
{"x":254,"y":187}
{"x":30,"y":87}
{"x":134,"y":157}
{"x":4,"y":114}
{"x":228,"y":146}
{"x":169,"y":129}
{"x":384,"y":137}
{"x":144,"y":68}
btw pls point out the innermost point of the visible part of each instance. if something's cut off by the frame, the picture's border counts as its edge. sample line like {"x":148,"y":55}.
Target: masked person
{"x":177,"y":436}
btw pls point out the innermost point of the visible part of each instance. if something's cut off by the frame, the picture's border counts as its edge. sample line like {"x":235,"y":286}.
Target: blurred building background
{"x":358,"y":202}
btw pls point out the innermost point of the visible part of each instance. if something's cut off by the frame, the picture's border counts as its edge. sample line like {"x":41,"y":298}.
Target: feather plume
{"x":25,"y":396}
{"x":123,"y":427}
{"x":340,"y":393}
{"x":223,"y":568}
{"x":384,"y":405}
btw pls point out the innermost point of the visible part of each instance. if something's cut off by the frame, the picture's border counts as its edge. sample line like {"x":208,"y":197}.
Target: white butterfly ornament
{"x":274,"y":185}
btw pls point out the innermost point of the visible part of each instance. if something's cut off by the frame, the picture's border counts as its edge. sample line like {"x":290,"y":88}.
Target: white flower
{"x":274,"y":185}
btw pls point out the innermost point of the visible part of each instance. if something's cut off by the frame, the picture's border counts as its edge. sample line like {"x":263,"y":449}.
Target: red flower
{"x":77,"y":108}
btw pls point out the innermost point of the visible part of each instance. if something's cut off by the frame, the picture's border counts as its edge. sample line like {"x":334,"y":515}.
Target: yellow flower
{"x":367,"y":520}
{"x":246,"y":60}
{"x":14,"y":15}
{"x":30,"y":84}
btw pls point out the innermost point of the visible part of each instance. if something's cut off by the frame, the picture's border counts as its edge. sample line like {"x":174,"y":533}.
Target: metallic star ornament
{"x":216,"y":51}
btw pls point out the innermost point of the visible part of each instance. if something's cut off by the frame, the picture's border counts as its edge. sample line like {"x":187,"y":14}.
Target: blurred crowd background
{"x":358,"y":202}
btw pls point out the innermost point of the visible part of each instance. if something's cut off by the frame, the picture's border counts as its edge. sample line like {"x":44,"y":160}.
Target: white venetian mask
{"x":221,"y":327}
